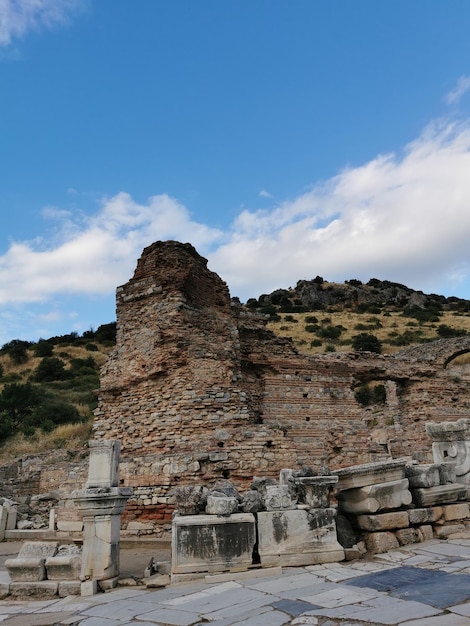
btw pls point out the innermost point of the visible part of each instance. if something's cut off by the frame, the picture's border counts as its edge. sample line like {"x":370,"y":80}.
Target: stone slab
{"x":38,"y":549}
{"x":457,"y":511}
{"x":383,"y":521}
{"x":40,"y":589}
{"x":380,"y":542}
{"x":424,"y":515}
{"x":63,"y":567}
{"x":439,"y":495}
{"x":26,"y":570}
{"x":423,"y":476}
{"x":370,"y":474}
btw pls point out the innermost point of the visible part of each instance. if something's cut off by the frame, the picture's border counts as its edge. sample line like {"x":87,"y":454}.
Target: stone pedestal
{"x":298,"y":538}
{"x":208,"y":543}
{"x":314,"y":491}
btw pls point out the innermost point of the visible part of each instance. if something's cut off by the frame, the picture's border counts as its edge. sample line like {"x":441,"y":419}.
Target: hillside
{"x":48,"y":388}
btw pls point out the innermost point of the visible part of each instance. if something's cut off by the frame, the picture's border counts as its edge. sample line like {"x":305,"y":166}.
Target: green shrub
{"x":43,"y":348}
{"x":50,"y":368}
{"x":365,"y":342}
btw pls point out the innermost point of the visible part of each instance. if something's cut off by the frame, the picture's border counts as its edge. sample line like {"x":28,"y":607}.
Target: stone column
{"x":101,"y":504}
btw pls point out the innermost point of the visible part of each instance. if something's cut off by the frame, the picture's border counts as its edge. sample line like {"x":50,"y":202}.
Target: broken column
{"x":101,"y":504}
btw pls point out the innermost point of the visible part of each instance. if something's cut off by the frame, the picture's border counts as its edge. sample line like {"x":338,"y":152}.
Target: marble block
{"x":65,"y":567}
{"x":375,"y":498}
{"x":315,"y":490}
{"x":439,"y":495}
{"x":221,"y":505}
{"x":209,"y":543}
{"x":29,"y":565}
{"x":370,"y":474}
{"x":423,"y":476}
{"x":279,"y":498}
{"x":298,"y":537}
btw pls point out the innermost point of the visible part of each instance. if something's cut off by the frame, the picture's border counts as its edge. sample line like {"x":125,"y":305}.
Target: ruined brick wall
{"x":198,"y":389}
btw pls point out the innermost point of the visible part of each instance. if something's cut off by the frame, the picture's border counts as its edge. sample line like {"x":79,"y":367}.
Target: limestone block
{"x":406,"y":536}
{"x":210,"y":543}
{"x":443,"y":532}
{"x":221,"y":505}
{"x":101,"y":536}
{"x":279,"y":498}
{"x":439,"y":495}
{"x":12,"y":516}
{"x":189,"y":499}
{"x":424,"y":516}
{"x":65,"y":567}
{"x":425,"y":532}
{"x":298,"y":537}
{"x":89,"y":588}
{"x":370,"y":474}
{"x":375,"y":498}
{"x":157,"y":580}
{"x":28,"y":569}
{"x":69,"y":588}
{"x":69,"y":526}
{"x":380,"y":542}
{"x":453,"y":512}
{"x":423,"y":476}
{"x":42,"y":589}
{"x":383,"y":521}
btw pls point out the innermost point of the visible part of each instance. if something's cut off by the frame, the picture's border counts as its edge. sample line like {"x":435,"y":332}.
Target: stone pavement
{"x":426,"y":584}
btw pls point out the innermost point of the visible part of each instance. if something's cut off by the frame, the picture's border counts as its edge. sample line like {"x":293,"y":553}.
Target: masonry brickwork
{"x":198,"y":389}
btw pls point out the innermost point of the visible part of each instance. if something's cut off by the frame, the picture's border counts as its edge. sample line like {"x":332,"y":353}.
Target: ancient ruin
{"x":198,"y":389}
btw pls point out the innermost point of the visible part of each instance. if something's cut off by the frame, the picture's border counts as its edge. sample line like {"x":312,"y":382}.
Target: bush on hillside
{"x":365,"y":342}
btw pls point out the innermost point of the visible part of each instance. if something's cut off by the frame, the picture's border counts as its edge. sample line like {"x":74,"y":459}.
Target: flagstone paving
{"x":424,"y":584}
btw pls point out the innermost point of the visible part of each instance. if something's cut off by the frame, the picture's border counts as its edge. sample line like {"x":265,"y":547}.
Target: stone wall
{"x":198,"y":389}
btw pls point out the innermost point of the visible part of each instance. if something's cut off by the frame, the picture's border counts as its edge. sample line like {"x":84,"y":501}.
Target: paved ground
{"x":426,"y":584}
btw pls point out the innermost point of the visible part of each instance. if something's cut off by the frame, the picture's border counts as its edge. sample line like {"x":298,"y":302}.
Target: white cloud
{"x":265,"y":194}
{"x":18,"y":17}
{"x":463,"y":85}
{"x":95,"y":253}
{"x":404,"y":218}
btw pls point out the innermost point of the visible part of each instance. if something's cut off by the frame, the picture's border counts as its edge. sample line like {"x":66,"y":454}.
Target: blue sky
{"x":284,"y":140}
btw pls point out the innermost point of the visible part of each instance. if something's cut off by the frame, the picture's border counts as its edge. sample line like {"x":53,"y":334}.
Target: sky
{"x":283,"y":139}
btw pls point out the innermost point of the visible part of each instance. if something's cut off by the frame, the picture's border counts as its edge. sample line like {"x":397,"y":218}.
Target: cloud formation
{"x":18,"y":17}
{"x":401,"y":217}
{"x":463,"y":85}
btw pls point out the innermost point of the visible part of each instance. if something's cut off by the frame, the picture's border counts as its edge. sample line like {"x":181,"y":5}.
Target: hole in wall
{"x":305,"y":395}
{"x":226,"y":473}
{"x":307,"y":419}
{"x":269,"y":444}
{"x":220,"y":444}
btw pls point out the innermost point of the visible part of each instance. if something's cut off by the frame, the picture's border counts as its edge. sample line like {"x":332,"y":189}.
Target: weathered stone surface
{"x":424,"y":516}
{"x":157,"y":581}
{"x":375,"y":498}
{"x":406,"y":536}
{"x":221,"y":505}
{"x":298,"y":537}
{"x":315,"y":490}
{"x":451,"y":443}
{"x":189,"y":499}
{"x":423,"y":476}
{"x":380,"y":542}
{"x":279,"y":498}
{"x":457,"y":511}
{"x":69,"y":588}
{"x":443,"y":532}
{"x":208,"y":543}
{"x":103,"y":467}
{"x":65,"y":567}
{"x":439,"y":495}
{"x":345,"y":532}
{"x":252,"y":502}
{"x":383,"y":521}
{"x":370,"y":474}
{"x":41,"y":589}
{"x":425,"y":532}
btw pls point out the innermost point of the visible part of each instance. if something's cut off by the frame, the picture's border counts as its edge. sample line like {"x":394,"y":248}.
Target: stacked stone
{"x":275,"y":523}
{"x":395,"y":503}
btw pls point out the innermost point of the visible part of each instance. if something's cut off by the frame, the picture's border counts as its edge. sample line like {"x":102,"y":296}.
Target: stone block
{"x":406,"y":536}
{"x":26,"y":569}
{"x":157,"y":581}
{"x":41,"y":589}
{"x":279,"y":498}
{"x":252,"y":502}
{"x":69,"y":526}
{"x":315,"y":490}
{"x":370,"y":474}
{"x":103,"y":463}
{"x":108,"y":583}
{"x":69,"y":588}
{"x":424,"y":516}
{"x":65,"y":567}
{"x":375,"y":498}
{"x":447,"y":473}
{"x":423,"y":476}
{"x":425,"y":532}
{"x":3,"y":521}
{"x":439,"y":495}
{"x":89,"y":588}
{"x":38,"y":549}
{"x":12,"y":517}
{"x":457,"y":511}
{"x":443,"y":532}
{"x":380,"y":542}
{"x":383,"y":521}
{"x":298,"y":537}
{"x":221,"y":505}
{"x":209,"y":543}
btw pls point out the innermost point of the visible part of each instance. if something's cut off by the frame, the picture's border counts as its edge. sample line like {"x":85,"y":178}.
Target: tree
{"x":17,"y":350}
{"x":365,"y":342}
{"x":50,"y":368}
{"x":18,"y":401}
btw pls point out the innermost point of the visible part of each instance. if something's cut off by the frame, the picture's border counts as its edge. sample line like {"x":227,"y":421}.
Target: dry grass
{"x":67,"y":437}
{"x":386,"y":327}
